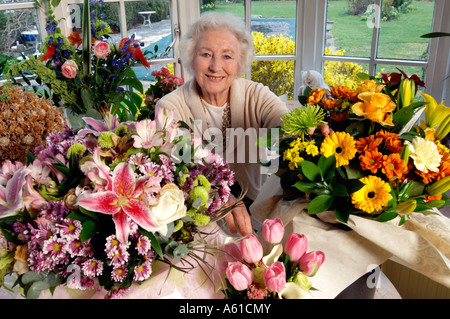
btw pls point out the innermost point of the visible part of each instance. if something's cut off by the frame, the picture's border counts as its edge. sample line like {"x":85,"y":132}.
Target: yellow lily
{"x":407,"y":92}
{"x":434,"y":113}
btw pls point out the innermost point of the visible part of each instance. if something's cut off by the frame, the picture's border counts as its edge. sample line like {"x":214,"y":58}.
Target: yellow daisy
{"x":373,"y":196}
{"x":342,"y":145}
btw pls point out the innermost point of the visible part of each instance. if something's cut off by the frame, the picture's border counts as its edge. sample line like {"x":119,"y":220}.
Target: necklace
{"x":226,"y":120}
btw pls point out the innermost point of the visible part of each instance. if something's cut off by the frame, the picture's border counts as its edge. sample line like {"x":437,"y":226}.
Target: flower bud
{"x":273,"y":230}
{"x":439,"y":187}
{"x":295,"y":246}
{"x":275,"y":277}
{"x":251,"y":249}
{"x":239,"y":275}
{"x":302,"y":280}
{"x":310,"y":262}
{"x":406,"y":207}
{"x":443,"y":129}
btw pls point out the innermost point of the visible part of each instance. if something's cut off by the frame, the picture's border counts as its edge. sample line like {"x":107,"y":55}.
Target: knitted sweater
{"x":252,"y":106}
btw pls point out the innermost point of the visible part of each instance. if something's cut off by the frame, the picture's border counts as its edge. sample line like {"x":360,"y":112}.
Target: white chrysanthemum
{"x":425,"y":154}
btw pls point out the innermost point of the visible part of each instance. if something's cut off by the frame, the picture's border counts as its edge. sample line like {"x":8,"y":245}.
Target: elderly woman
{"x":218,"y":50}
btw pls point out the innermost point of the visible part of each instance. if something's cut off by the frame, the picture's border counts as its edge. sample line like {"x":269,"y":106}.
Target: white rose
{"x":169,"y":208}
{"x":425,"y":154}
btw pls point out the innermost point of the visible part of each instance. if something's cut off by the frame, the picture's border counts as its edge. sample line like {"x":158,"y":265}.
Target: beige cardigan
{"x":252,"y":105}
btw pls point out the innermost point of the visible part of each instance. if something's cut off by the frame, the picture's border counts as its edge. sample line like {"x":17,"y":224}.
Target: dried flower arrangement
{"x":25,"y":122}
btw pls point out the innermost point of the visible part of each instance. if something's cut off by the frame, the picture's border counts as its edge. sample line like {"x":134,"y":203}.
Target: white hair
{"x":214,"y":21}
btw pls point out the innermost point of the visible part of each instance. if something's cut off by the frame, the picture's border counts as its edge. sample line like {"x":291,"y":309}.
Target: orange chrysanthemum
{"x":343,"y":92}
{"x":339,"y":117}
{"x":315,"y":96}
{"x":371,"y":160}
{"x":369,"y":143}
{"x":393,"y":165}
{"x":330,"y":104}
{"x":391,"y":140}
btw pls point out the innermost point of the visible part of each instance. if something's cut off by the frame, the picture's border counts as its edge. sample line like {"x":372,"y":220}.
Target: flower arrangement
{"x":281,"y":274}
{"x":25,"y":122}
{"x":164,"y":83}
{"x":362,"y":151}
{"x":86,"y":74}
{"x":96,"y":208}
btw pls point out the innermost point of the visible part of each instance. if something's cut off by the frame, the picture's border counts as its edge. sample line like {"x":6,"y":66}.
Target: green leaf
{"x":353,"y":185}
{"x":89,"y":228}
{"x":155,"y":243}
{"x":36,"y":288}
{"x":327,"y":166}
{"x":306,"y":187}
{"x":340,"y":190}
{"x":320,"y":204}
{"x":30,"y":277}
{"x":435,"y":35}
{"x":386,"y":216}
{"x":180,"y":251}
{"x":342,"y":211}
{"x":310,"y":171}
{"x":402,"y":116}
{"x":134,"y":83}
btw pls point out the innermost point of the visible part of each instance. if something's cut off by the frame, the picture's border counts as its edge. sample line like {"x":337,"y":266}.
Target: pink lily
{"x":11,"y":196}
{"x":97,"y":171}
{"x":124,"y":198}
{"x":147,"y":135}
{"x":33,"y":200}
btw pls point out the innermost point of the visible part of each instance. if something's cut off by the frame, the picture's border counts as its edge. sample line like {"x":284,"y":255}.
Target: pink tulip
{"x":251,"y":249}
{"x":232,"y":252}
{"x":275,"y":277}
{"x":295,"y":246}
{"x":273,"y":230}
{"x":310,"y":262}
{"x":239,"y":275}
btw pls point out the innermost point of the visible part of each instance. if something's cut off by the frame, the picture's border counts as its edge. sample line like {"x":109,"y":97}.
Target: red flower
{"x":49,"y":54}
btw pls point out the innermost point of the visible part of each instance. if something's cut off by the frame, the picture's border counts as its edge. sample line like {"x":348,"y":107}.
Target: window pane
{"x":403,"y":22}
{"x":235,"y":7}
{"x":348,"y":27}
{"x":274,"y":21}
{"x":343,"y":73}
{"x":150,"y":23}
{"x":277,"y":75}
{"x":18,"y":32}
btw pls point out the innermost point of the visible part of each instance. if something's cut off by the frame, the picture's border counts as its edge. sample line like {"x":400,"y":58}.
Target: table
{"x":146,"y":15}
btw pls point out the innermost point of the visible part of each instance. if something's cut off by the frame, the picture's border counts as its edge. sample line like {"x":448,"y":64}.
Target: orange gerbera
{"x":369,"y":143}
{"x":391,"y":140}
{"x":372,"y":160}
{"x":393,"y":165}
{"x":315,"y":96}
{"x":75,"y":38}
{"x":330,"y":104}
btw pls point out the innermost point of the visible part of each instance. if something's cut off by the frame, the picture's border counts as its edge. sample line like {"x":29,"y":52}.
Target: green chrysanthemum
{"x":299,"y":121}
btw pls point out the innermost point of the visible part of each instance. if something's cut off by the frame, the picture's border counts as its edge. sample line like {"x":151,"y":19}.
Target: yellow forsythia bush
{"x":341,"y":73}
{"x":277,"y":75}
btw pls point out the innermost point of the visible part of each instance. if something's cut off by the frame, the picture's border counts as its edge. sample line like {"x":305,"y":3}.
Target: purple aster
{"x":143,"y":271}
{"x":70,"y":227}
{"x":143,"y":245}
{"x":119,"y":273}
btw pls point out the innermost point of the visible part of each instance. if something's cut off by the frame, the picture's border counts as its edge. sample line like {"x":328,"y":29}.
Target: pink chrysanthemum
{"x":116,"y":251}
{"x":143,"y":271}
{"x":92,"y":267}
{"x":118,"y":274}
{"x":143,"y":245}
{"x":70,"y":227}
{"x":54,"y":248}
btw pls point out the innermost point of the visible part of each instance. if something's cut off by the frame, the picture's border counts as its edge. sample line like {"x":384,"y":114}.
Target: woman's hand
{"x":238,"y":216}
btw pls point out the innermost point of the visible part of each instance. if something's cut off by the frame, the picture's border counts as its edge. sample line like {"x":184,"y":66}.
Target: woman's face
{"x":216,"y":65}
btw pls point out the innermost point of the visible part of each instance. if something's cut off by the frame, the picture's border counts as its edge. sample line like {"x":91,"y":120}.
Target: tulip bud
{"x":251,"y":249}
{"x":310,"y":262}
{"x":295,"y":247}
{"x":239,"y":275}
{"x":439,"y":187}
{"x":406,"y":207}
{"x":443,"y":129}
{"x":275,"y":277}
{"x":273,"y":230}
